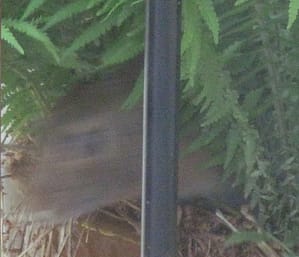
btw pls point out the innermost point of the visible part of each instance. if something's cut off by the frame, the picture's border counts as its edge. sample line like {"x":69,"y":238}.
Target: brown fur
{"x":90,"y":156}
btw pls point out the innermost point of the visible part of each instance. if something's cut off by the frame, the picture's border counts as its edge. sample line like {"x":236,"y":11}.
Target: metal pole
{"x":160,"y":139}
{"x":1,"y":188}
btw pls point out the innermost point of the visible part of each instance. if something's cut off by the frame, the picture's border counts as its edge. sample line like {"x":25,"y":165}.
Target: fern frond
{"x":214,"y":82}
{"x":209,"y":15}
{"x":236,"y":11}
{"x":190,"y":20}
{"x":136,"y":11}
{"x":31,"y":7}
{"x":73,"y":62}
{"x":233,"y":141}
{"x":248,"y":236}
{"x":34,"y":33}
{"x":97,"y":30}
{"x":17,"y":117}
{"x":7,"y":36}
{"x":293,"y":12}
{"x":211,"y":77}
{"x":246,"y":23}
{"x":239,"y":2}
{"x":217,"y":110}
{"x":231,"y":51}
{"x":123,"y":50}
{"x":215,"y":161}
{"x":191,"y":43}
{"x":135,"y":94}
{"x":250,"y":149}
{"x":92,"y":3}
{"x":190,"y":65}
{"x":66,"y":12}
{"x":110,"y":7}
{"x":252,"y":98}
{"x":201,"y":141}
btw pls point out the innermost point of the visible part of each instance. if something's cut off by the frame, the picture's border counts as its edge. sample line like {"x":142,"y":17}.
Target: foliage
{"x":239,"y":76}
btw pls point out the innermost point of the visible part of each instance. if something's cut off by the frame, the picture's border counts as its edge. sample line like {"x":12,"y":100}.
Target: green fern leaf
{"x":191,"y":43}
{"x":251,"y":99}
{"x":250,"y":150}
{"x":239,"y":2}
{"x":66,"y":12}
{"x":137,"y":12}
{"x":220,"y":106}
{"x":247,"y":236}
{"x":233,"y":141}
{"x":201,"y":141}
{"x":235,"y":11}
{"x":7,"y":36}
{"x":231,"y":51}
{"x":93,"y":3}
{"x":96,"y":30}
{"x":34,"y":33}
{"x":19,"y":111}
{"x":121,"y":8}
{"x":212,"y":89}
{"x":190,"y":24}
{"x":211,"y":78}
{"x":215,"y":161}
{"x":209,"y":15}
{"x":135,"y":94}
{"x":31,"y":7}
{"x":123,"y":50}
{"x":73,"y":62}
{"x":110,"y":7}
{"x":218,"y":109}
{"x":137,"y":2}
{"x":191,"y":62}
{"x":293,"y":12}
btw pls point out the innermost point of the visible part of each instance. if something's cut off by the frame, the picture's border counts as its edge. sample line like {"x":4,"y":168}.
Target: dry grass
{"x":107,"y":234}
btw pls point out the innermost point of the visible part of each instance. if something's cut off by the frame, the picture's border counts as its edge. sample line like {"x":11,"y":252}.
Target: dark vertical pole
{"x":1,"y":190}
{"x":159,"y":144}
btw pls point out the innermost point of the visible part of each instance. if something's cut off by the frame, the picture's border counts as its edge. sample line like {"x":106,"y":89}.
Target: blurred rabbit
{"x":90,"y":156}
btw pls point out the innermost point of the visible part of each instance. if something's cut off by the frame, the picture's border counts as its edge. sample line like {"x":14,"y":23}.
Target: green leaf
{"x":231,"y":50}
{"x":123,"y":50}
{"x":92,"y":3}
{"x":209,"y":15}
{"x":201,"y":141}
{"x":191,"y":43}
{"x":66,"y":12}
{"x":232,"y":143}
{"x":135,"y":94}
{"x":239,"y":2}
{"x":214,"y":161}
{"x":246,"y":236}
{"x":252,"y":98}
{"x":293,"y":12}
{"x":33,"y":32}
{"x":31,"y":7}
{"x":7,"y":36}
{"x":110,"y":9}
{"x":250,"y":151}
{"x":98,"y":29}
{"x":191,"y":26}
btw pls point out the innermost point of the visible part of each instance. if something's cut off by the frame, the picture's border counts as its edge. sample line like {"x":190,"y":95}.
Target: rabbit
{"x":90,"y":156}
